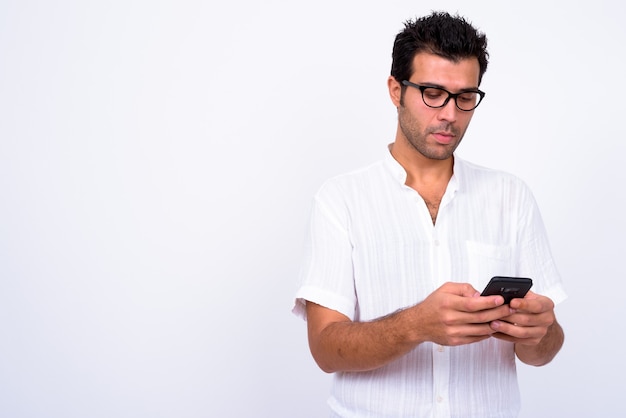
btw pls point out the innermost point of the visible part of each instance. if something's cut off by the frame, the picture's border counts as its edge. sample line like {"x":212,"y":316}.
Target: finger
{"x":477,"y":330}
{"x":468,"y":334}
{"x":524,"y":304}
{"x":479,"y":314}
{"x":481,"y":303}
{"x":533,"y":303}
{"x":465,"y":340}
{"x":505,"y":328}
{"x":516,"y":332}
{"x":516,"y":340}
{"x":459,"y":289}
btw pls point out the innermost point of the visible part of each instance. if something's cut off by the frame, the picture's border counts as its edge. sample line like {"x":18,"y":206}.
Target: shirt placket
{"x":440,"y":353}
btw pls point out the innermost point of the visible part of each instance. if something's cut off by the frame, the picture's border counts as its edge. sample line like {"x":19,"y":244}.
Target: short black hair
{"x":439,"y":33}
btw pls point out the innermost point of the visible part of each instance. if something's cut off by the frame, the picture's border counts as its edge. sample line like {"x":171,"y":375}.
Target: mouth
{"x":444,"y":138}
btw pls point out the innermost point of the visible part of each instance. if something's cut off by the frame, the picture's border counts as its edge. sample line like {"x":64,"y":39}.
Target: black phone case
{"x":508,"y":287}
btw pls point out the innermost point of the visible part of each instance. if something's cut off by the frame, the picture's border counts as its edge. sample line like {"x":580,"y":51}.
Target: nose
{"x":449,"y":112}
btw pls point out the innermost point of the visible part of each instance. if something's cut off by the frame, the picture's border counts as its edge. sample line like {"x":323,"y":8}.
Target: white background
{"x":157,"y":163}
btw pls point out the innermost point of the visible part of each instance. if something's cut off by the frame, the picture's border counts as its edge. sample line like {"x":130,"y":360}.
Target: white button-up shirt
{"x":373,"y":249}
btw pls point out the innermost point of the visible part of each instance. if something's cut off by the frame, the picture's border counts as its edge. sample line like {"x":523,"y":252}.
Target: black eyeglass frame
{"x":421,"y":88}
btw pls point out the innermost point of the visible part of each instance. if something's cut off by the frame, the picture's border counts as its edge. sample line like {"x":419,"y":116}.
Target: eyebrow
{"x":439,"y":86}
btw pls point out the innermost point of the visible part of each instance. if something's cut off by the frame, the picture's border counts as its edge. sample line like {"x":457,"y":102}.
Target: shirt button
{"x":436,"y":243}
{"x":440,"y":348}
{"x":439,"y":399}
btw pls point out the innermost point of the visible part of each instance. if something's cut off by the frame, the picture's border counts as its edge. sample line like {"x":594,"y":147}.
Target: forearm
{"x":451,"y":315}
{"x":361,"y":346}
{"x":543,"y":352}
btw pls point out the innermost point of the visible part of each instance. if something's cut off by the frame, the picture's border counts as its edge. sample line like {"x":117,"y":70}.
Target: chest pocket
{"x":486,"y":261}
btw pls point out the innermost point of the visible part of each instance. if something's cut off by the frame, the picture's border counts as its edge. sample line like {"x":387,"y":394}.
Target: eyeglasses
{"x":436,"y":97}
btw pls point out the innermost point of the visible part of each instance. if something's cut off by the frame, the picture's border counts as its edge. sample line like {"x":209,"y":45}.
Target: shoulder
{"x":473,"y":175}
{"x":356,"y":181}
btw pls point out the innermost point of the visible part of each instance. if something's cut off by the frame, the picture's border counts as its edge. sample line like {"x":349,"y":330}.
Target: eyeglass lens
{"x":435,"y":97}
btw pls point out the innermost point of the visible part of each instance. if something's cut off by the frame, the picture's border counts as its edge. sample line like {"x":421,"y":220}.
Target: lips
{"x":444,"y":138}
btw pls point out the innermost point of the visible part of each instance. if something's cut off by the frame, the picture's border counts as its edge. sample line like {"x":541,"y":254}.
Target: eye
{"x":468,"y":97}
{"x":434,"y":94}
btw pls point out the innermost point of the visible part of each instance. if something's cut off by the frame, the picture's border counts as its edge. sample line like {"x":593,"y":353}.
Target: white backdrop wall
{"x":157,"y":163}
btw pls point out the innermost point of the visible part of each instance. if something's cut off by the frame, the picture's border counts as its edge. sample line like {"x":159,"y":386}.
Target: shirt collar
{"x":399,"y":173}
{"x":393,"y":166}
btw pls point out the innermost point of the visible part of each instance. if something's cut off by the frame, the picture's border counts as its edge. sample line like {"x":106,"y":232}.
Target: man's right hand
{"x":454,"y":314}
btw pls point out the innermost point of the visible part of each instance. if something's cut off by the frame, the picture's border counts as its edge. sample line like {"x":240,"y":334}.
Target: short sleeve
{"x":327,"y":274}
{"x":535,"y":255}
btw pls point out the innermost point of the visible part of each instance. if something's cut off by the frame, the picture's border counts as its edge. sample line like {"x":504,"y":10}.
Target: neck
{"x":421,"y":170}
{"x":427,"y":176}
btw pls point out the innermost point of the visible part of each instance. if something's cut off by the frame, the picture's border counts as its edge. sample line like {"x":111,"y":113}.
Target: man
{"x":399,"y":250}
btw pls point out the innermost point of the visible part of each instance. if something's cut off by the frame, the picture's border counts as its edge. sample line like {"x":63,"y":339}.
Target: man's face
{"x":435,"y":132}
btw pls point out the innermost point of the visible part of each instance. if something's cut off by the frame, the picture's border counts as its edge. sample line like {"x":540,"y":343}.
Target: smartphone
{"x":508,"y":287}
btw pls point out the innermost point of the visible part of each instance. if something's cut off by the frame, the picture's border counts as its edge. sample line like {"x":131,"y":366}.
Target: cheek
{"x":408,"y":120}
{"x":466,"y":121}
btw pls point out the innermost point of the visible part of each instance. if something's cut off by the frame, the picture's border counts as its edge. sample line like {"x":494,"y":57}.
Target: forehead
{"x":454,"y":75}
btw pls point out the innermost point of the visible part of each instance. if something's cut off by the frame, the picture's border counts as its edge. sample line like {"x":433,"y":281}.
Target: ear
{"x":395,"y":90}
